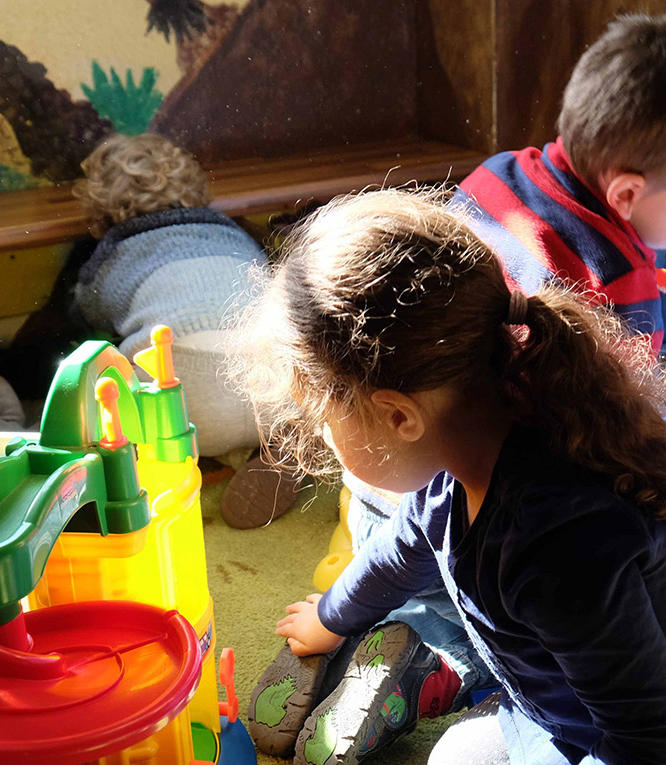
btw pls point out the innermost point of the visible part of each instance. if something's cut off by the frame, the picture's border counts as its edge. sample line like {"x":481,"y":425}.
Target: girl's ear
{"x":623,"y":191}
{"x":400,"y":413}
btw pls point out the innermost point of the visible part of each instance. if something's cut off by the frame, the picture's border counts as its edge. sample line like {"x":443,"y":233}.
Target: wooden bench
{"x":45,"y":216}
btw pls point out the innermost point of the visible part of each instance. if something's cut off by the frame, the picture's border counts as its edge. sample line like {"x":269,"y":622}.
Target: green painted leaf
{"x":99,"y":77}
{"x":128,"y":107}
{"x":148,"y":79}
{"x":117,"y":84}
{"x":129,"y":84}
{"x":13,"y":180}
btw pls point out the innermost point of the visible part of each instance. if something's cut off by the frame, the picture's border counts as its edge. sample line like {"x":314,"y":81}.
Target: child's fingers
{"x":294,"y":608}
{"x":285,"y":630}
{"x":286,"y":620}
{"x":297,"y":648}
{"x":310,"y":600}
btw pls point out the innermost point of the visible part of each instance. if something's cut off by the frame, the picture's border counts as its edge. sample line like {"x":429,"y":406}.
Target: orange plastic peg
{"x":158,"y":359}
{"x":161,"y":339}
{"x":107,"y":393}
{"x":229,"y":708}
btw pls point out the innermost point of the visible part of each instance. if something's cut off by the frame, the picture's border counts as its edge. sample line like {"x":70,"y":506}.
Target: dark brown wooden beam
{"x":44,"y":216}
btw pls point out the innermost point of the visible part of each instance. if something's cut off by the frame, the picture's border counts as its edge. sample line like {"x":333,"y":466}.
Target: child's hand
{"x":303,"y":630}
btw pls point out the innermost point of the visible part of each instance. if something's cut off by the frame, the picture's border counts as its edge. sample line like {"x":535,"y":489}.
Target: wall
{"x":237,"y":79}
{"x":496,"y":69}
{"x":266,"y":78}
{"x":47,"y":51}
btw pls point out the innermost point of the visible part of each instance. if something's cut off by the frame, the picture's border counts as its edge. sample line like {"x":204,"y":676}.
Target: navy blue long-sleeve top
{"x":562,"y":587}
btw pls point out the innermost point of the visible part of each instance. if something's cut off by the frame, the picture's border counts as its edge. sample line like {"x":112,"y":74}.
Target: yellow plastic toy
{"x":340,"y":550}
{"x":96,"y":399}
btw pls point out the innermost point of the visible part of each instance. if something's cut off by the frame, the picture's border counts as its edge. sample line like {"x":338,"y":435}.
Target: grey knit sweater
{"x":179,"y":267}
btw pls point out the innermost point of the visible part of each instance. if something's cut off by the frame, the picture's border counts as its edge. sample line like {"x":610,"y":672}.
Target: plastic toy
{"x":97,"y":684}
{"x":114,"y":527}
{"x":340,"y":550}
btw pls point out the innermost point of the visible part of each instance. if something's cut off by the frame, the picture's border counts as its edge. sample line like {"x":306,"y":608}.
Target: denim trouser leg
{"x":431,"y":613}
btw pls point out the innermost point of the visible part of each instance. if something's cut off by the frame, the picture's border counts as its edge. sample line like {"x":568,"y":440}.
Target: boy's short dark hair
{"x":614,"y":109}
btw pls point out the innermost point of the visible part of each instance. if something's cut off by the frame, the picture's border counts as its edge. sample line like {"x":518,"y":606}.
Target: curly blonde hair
{"x":128,"y":176}
{"x":390,"y":289}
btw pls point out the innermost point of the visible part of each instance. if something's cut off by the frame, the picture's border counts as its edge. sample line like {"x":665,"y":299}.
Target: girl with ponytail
{"x":527,"y":437}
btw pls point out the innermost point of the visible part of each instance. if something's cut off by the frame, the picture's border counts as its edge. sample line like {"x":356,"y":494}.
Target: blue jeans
{"x":432,"y":612}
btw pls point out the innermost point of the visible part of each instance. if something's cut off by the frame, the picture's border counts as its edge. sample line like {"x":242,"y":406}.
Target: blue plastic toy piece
{"x":237,"y":747}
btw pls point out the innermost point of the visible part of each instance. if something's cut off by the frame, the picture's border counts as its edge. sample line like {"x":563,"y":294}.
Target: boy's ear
{"x":400,"y":413}
{"x":623,"y":191}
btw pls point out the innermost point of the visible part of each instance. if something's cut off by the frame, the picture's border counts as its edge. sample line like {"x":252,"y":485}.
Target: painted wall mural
{"x":230,"y":79}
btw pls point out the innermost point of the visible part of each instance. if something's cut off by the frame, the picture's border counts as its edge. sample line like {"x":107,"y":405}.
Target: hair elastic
{"x":517,"y":310}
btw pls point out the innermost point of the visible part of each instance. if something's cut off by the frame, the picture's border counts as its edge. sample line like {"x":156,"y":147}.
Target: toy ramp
{"x":38,"y":498}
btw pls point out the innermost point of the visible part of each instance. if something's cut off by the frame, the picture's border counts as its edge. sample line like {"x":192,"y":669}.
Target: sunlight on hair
{"x":128,"y":176}
{"x":391,"y":289}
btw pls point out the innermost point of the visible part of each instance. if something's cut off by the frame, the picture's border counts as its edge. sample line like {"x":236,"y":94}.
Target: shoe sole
{"x":258,"y":494}
{"x":337,"y":728}
{"x":282,"y":698}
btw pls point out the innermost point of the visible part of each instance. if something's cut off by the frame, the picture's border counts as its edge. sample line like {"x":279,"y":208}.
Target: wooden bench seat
{"x":45,"y":216}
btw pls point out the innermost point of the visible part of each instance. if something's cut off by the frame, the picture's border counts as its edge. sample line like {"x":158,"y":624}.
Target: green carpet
{"x":254,"y":574}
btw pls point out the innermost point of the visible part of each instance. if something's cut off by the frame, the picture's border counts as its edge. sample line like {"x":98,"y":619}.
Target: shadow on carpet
{"x":253,"y":574}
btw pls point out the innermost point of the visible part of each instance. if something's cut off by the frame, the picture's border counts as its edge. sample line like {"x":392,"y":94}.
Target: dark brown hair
{"x":390,"y":289}
{"x":614,"y":109}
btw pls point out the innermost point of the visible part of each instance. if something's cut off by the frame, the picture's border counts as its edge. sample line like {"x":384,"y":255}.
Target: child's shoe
{"x":288,"y":690}
{"x":258,"y":494}
{"x":391,"y":681}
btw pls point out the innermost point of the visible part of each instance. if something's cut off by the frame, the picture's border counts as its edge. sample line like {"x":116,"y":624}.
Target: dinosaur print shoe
{"x":342,"y":724}
{"x":288,"y":690}
{"x":283,"y":697}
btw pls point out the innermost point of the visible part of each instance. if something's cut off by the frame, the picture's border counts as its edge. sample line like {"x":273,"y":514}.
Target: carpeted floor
{"x":253,"y":574}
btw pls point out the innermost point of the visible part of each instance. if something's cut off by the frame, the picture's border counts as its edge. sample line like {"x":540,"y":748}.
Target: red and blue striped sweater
{"x":545,"y":223}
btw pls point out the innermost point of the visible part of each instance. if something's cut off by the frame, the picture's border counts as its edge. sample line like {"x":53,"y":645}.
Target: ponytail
{"x":596,"y":391}
{"x":391,"y":289}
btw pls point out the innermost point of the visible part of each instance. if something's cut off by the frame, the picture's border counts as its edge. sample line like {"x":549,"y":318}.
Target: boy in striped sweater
{"x":590,"y":208}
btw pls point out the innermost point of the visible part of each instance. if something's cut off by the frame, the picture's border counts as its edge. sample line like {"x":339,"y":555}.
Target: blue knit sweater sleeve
{"x":397,"y":562}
